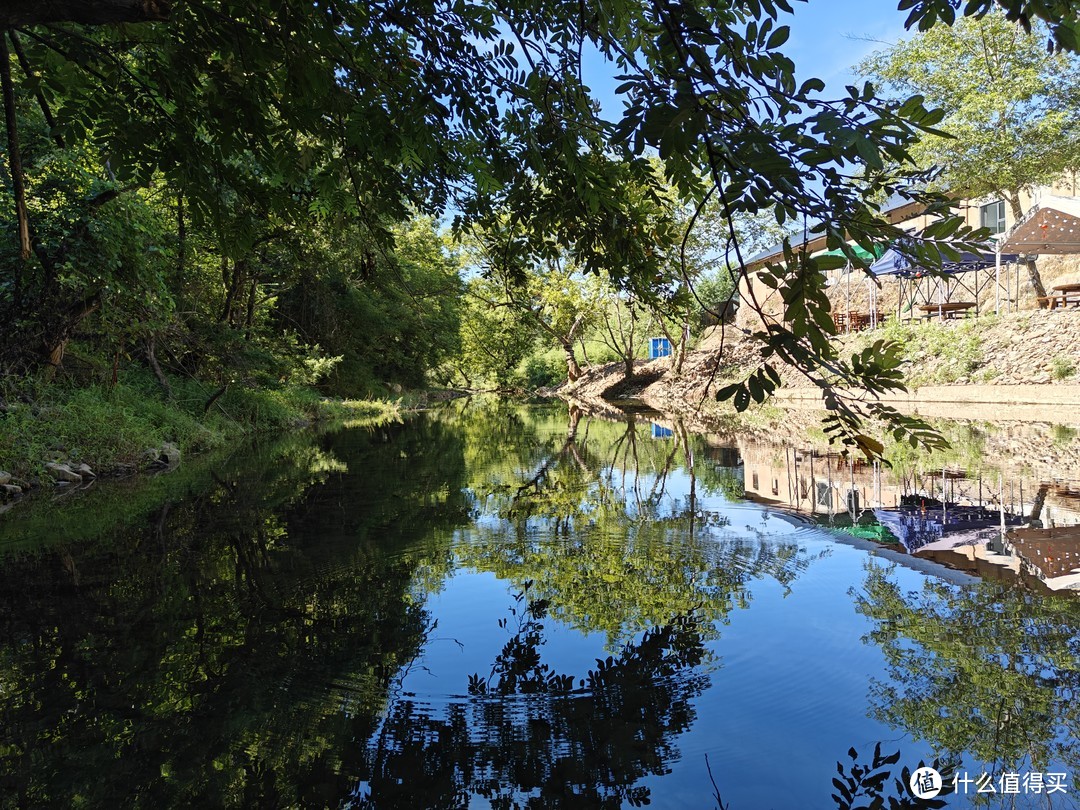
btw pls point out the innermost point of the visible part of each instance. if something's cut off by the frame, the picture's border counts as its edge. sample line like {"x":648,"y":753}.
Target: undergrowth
{"x":110,"y":426}
{"x":937,"y":353}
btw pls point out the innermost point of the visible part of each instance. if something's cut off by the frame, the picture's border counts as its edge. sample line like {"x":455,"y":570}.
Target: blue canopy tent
{"x":919,"y":286}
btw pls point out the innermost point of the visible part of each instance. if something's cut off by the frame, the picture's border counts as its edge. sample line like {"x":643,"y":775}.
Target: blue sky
{"x":827,"y":39}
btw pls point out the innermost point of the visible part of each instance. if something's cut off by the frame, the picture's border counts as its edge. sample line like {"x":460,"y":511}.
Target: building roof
{"x":896,"y":209}
{"x":1051,"y":227}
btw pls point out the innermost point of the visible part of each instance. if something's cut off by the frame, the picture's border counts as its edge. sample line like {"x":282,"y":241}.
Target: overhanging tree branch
{"x":15,"y":13}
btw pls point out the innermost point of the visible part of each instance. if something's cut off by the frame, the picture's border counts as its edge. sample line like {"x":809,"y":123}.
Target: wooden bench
{"x":1051,"y":301}
{"x":1063,"y":295}
{"x":948,"y":310}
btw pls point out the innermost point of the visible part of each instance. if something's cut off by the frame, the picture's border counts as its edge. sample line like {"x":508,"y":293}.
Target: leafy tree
{"x":495,"y":337}
{"x":390,"y":314}
{"x":368,"y":112}
{"x":619,"y":322}
{"x":552,"y":296}
{"x":1013,"y":108}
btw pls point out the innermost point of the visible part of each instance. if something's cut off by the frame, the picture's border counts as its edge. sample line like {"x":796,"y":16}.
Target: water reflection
{"x":988,"y":672}
{"x":591,"y":519}
{"x":172,"y":663}
{"x":521,"y":606}
{"x":531,"y":735}
{"x":1013,"y":516}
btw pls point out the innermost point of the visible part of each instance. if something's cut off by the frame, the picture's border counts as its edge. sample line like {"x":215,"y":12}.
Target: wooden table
{"x":1065,"y":295}
{"x":948,"y":310}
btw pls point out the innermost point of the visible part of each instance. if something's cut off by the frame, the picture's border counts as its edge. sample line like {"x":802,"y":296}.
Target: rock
{"x":5,"y":478}
{"x":168,"y":455}
{"x":11,"y":490}
{"x":62,"y":473}
{"x":84,"y":470}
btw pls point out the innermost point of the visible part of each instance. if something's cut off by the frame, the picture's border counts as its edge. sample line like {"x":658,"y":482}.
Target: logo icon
{"x":925,"y":783}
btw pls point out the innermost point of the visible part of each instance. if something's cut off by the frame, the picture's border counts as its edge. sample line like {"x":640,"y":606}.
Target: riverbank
{"x":109,"y":430}
{"x":1018,"y":359}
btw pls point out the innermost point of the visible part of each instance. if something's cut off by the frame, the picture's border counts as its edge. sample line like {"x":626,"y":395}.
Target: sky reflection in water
{"x":496,"y":605}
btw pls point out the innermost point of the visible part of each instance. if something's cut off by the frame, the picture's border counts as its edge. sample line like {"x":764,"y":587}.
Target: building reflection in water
{"x":993,"y":523}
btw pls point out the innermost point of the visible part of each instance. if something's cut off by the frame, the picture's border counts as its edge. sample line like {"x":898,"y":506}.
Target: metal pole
{"x":997,"y":278}
{"x":847,"y":294}
{"x":1001,"y":501}
{"x":828,"y":466}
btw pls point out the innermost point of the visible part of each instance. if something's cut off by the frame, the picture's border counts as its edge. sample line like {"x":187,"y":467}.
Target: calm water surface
{"x":501,"y":606}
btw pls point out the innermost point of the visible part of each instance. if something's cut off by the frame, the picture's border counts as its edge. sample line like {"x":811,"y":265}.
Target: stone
{"x":11,"y":490}
{"x":84,"y":470}
{"x":62,"y":473}
{"x":168,"y":455}
{"x":5,"y":478}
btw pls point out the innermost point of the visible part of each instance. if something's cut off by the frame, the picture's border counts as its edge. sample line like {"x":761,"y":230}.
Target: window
{"x":992,"y":216}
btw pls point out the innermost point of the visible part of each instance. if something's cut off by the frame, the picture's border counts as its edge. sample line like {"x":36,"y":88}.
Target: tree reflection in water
{"x":243,"y":643}
{"x":221,"y":652}
{"x":602,"y":532}
{"x":608,"y":528}
{"x":990,"y":669}
{"x":531,"y":736}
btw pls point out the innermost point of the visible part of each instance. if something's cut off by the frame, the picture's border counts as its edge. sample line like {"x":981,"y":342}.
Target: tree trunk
{"x":1037,"y":504}
{"x":20,"y":13}
{"x":233,"y":291}
{"x":249,"y":318}
{"x":53,"y":350}
{"x":1033,"y":270}
{"x":1036,"y":281}
{"x":181,"y":236}
{"x":573,"y":370}
{"x":151,"y":358}
{"x":42,"y":102}
{"x":18,"y":179}
{"x":683,"y":347}
{"x":628,"y":364}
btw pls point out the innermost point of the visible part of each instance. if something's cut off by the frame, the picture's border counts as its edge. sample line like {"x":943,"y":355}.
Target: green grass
{"x":111,"y":426}
{"x":1061,"y":368}
{"x":938,"y":353}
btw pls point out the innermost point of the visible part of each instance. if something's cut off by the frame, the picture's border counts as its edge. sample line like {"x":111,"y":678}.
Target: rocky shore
{"x":1031,"y":356}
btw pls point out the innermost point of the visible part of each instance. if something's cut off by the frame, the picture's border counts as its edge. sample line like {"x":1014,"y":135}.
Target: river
{"x":497,"y":605}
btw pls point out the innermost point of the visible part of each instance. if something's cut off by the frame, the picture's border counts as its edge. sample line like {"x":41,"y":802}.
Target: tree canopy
{"x":1013,"y":108}
{"x":264,"y":117}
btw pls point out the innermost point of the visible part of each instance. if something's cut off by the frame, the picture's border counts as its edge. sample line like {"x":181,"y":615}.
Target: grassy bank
{"x":1015,"y":348}
{"x":110,"y":427}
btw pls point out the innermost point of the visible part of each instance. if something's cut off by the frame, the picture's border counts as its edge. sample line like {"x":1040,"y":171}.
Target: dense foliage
{"x":223,"y":184}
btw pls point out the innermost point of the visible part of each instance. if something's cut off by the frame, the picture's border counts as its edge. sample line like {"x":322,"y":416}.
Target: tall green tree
{"x":543,"y":285}
{"x":1013,"y":109}
{"x":369,"y":111}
